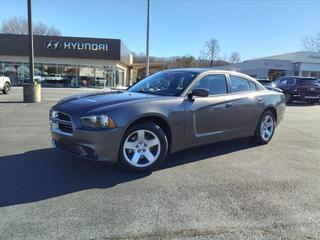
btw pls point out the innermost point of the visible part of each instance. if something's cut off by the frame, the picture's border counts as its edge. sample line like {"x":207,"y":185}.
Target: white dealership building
{"x":296,"y":63}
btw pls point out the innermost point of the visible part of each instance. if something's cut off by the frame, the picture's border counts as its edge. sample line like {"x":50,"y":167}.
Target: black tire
{"x":258,"y":134}
{"x":288,"y":97}
{"x":155,"y":129}
{"x":6,"y":88}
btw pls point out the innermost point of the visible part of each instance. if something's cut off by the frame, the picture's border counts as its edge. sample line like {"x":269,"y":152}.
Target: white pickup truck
{"x":5,"y":84}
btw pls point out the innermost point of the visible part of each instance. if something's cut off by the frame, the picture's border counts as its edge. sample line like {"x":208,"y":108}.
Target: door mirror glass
{"x":200,"y":92}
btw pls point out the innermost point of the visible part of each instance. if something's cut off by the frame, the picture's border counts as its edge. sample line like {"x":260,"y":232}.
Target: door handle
{"x":228,"y":105}
{"x":260,"y":100}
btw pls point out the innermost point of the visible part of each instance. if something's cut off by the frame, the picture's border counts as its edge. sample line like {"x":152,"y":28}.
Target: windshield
{"x":171,"y":83}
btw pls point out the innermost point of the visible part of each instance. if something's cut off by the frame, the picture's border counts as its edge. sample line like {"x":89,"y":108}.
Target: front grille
{"x":64,"y":117}
{"x":309,"y":94}
{"x":63,"y":123}
{"x":65,"y":128}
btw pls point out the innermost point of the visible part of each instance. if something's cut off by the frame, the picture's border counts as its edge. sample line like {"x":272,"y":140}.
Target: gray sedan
{"x":166,"y":112}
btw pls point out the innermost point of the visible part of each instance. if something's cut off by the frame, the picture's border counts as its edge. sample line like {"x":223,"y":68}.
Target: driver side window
{"x":215,"y":83}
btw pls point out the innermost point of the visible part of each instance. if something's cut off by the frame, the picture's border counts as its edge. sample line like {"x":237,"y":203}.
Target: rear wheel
{"x":288,"y":97}
{"x":144,"y":147}
{"x":265,"y":128}
{"x":6,"y":88}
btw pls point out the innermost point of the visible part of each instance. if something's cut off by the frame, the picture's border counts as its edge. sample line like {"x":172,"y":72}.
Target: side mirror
{"x":199,"y":92}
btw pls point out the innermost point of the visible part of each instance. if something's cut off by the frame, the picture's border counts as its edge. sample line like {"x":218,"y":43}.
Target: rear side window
{"x":216,"y":83}
{"x":308,"y":82}
{"x":253,"y":86}
{"x":239,"y":84}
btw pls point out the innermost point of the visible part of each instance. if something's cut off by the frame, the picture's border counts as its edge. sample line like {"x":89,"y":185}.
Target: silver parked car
{"x":5,"y":84}
{"x":165,"y":112}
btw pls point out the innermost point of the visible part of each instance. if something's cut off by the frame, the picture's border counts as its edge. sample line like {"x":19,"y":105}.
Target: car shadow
{"x":11,"y":101}
{"x":46,"y":173}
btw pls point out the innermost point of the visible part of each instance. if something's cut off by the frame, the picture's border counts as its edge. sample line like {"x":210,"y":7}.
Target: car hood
{"x":93,"y":101}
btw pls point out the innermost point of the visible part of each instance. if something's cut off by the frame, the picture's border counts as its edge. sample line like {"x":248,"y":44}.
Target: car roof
{"x":299,"y":77}
{"x":263,"y":80}
{"x":211,"y":70}
{"x":198,"y":70}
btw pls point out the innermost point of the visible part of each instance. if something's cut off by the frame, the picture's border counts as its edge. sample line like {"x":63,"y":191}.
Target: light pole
{"x":31,"y":52}
{"x":31,"y":90}
{"x":147,"y":43}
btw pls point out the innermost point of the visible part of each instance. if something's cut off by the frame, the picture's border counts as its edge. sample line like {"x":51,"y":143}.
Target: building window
{"x":275,"y":74}
{"x":60,"y":75}
{"x":120,"y":77}
{"x":311,"y":74}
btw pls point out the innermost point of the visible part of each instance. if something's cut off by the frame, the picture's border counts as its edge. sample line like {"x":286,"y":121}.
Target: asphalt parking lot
{"x":230,"y":190}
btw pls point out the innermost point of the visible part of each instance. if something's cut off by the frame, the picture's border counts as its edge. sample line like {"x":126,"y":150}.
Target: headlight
{"x":98,"y":121}
{"x":53,"y":114}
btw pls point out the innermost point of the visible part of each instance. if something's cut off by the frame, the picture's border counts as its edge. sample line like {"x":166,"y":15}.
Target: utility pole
{"x":31,"y":52}
{"x":31,"y":90}
{"x":147,"y":44}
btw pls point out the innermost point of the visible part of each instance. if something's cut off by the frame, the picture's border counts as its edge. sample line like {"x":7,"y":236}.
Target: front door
{"x":208,"y":117}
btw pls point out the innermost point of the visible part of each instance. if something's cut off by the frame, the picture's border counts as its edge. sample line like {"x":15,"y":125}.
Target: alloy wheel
{"x":6,"y":88}
{"x":141,"y":148}
{"x":267,"y":128}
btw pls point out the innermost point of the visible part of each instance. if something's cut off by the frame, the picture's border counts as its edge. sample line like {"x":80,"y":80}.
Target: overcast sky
{"x":178,"y":27}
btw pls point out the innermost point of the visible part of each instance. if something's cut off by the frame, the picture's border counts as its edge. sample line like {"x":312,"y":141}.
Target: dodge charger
{"x":166,"y":112}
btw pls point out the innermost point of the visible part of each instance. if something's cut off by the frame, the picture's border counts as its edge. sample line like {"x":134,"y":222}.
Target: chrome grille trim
{"x":62,"y":119}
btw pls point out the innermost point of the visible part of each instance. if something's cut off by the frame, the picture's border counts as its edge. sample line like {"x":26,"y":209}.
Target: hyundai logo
{"x":52,"y":45}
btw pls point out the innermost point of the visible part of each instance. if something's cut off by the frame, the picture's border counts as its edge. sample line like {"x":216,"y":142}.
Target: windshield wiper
{"x":153,"y":93}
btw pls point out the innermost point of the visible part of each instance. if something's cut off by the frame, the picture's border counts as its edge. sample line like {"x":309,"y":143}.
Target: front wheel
{"x":6,"y":88}
{"x":265,"y":128}
{"x":144,"y":147}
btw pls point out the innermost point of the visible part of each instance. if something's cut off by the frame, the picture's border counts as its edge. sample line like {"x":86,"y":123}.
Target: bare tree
{"x":186,"y":61}
{"x":20,"y":26}
{"x":312,"y":43}
{"x":234,"y":57}
{"x":212,"y":50}
{"x":224,"y":57}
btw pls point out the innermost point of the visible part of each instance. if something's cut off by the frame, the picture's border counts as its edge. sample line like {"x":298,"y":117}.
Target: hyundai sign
{"x":64,"y":47}
{"x":76,"y":46}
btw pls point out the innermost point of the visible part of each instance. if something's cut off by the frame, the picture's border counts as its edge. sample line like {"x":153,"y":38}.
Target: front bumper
{"x":306,"y":96}
{"x":311,"y":98}
{"x":100,"y":145}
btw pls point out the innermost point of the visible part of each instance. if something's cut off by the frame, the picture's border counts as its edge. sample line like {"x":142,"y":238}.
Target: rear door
{"x":246,"y":106}
{"x":308,"y":87}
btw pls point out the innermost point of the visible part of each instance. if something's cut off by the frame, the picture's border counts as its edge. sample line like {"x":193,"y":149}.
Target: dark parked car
{"x":269,"y":84}
{"x":163,"y":113}
{"x":300,"y":88}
